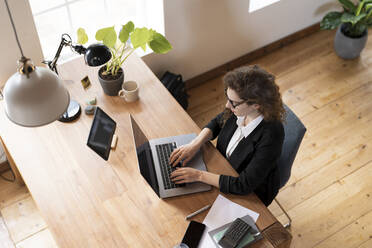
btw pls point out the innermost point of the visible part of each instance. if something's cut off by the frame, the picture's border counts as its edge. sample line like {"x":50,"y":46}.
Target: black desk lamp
{"x":94,"y":55}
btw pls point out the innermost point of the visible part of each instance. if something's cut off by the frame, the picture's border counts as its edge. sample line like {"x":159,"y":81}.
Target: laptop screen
{"x":144,"y":156}
{"x":101,"y":132}
{"x":139,"y":137}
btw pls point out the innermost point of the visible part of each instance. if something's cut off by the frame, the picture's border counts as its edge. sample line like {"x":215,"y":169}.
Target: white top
{"x":242,"y":132}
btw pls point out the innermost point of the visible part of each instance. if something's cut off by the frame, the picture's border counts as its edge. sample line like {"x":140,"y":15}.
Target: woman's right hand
{"x":183,"y":153}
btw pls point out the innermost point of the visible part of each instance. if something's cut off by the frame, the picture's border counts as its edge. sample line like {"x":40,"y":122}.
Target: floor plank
{"x":332,"y":209}
{"x":23,"y":219}
{"x":366,"y":244}
{"x":325,"y":137}
{"x":337,"y":169}
{"x":42,"y":239}
{"x":296,"y":55}
{"x":362,"y":226}
{"x":205,"y":94}
{"x":11,"y":192}
{"x":5,"y":240}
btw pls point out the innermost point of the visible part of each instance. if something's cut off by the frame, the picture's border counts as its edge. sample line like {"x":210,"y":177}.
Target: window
{"x":55,"y":17}
{"x":259,"y":4}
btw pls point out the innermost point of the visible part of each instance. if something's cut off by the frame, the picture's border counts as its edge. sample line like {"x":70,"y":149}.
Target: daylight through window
{"x":55,"y":17}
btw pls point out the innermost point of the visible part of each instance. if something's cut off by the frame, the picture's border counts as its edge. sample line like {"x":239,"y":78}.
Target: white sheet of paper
{"x":223,"y":211}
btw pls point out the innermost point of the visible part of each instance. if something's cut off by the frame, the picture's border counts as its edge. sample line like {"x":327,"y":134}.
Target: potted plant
{"x":111,"y":75}
{"x":352,"y":23}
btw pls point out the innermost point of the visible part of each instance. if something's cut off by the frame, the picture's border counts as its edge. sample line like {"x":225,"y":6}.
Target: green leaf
{"x":360,"y":6}
{"x":107,"y":36}
{"x":347,"y":17}
{"x":331,"y":21}
{"x":125,"y":31}
{"x":360,"y":28}
{"x":368,"y":17}
{"x":354,"y":31}
{"x":139,"y":37}
{"x":368,"y":7}
{"x":368,"y":20}
{"x":348,"y":5}
{"x":160,"y":44}
{"x":101,"y":33}
{"x":152,"y":33}
{"x":82,"y":36}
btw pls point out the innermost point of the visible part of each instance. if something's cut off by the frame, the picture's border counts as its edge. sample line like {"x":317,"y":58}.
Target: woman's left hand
{"x":185,"y":175}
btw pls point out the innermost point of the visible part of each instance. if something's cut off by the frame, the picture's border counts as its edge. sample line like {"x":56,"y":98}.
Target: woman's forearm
{"x":210,"y":178}
{"x":205,"y":176}
{"x":204,"y":136}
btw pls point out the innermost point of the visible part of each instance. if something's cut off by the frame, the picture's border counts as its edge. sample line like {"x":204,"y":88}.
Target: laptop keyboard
{"x":164,"y":151}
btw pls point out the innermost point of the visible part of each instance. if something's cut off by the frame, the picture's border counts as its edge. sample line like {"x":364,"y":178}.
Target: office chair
{"x":294,"y":131}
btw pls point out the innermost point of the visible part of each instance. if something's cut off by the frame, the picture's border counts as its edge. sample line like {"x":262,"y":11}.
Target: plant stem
{"x":127,"y":56}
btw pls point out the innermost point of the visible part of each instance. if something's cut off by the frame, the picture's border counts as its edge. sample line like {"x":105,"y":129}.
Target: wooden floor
{"x":21,"y":224}
{"x":329,"y":195}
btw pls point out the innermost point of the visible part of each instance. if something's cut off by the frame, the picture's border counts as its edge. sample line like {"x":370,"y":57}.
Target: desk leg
{"x":277,"y":235}
{"x":13,"y":167}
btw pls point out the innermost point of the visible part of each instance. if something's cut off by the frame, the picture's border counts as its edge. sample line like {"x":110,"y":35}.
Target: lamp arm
{"x":65,"y":41}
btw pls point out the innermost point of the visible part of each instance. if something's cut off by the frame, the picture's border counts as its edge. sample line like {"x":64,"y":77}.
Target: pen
{"x":198,"y":211}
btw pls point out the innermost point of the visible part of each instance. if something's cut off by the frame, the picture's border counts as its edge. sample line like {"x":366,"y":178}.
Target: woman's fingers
{"x":182,"y":154}
{"x":179,"y":161}
{"x":184,"y":175}
{"x":181,"y":181}
{"x":179,"y":156}
{"x":176,"y":173}
{"x":186,"y":161}
{"x":174,"y":155}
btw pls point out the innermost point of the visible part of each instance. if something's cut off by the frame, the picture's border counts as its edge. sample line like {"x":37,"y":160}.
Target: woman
{"x":250,"y":136}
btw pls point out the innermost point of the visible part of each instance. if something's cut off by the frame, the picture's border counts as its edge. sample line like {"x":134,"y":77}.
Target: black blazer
{"x":255,"y":158}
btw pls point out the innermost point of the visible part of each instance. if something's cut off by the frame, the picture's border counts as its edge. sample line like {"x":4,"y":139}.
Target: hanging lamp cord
{"x":14,"y":29}
{"x":27,"y":67}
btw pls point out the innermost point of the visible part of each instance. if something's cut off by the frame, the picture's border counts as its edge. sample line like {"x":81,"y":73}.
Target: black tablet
{"x":101,"y":133}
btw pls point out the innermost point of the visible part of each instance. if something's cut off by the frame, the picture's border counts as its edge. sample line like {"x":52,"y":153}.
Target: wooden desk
{"x":88,"y":202}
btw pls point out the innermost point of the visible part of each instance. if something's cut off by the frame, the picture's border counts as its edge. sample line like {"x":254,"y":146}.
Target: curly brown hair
{"x":255,"y":85}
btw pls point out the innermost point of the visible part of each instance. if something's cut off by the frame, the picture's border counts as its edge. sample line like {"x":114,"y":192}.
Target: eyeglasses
{"x":236,"y":104}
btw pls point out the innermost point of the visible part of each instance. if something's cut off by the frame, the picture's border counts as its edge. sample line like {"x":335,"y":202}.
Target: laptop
{"x":153,"y":160}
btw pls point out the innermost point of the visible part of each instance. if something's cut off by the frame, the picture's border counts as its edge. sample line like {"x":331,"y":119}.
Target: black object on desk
{"x":193,"y":234}
{"x":72,"y":112}
{"x":101,"y":133}
{"x":234,"y":234}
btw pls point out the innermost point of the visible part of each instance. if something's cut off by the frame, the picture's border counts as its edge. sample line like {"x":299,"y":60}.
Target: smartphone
{"x":193,"y":234}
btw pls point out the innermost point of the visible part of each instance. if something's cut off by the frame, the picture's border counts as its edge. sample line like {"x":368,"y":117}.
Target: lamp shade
{"x":37,"y":100}
{"x":97,"y":54}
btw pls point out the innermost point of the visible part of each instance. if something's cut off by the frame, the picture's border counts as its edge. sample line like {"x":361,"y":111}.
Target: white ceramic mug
{"x":129,"y":91}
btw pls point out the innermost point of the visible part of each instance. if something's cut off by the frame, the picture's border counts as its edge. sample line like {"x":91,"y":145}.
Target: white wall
{"x":9,"y":51}
{"x":209,"y":33}
{"x":204,"y":33}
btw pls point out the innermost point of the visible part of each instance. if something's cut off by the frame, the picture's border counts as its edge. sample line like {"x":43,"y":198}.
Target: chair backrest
{"x":294,"y":131}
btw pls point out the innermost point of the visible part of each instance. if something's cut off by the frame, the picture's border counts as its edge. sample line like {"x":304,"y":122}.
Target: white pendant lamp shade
{"x":37,"y":100}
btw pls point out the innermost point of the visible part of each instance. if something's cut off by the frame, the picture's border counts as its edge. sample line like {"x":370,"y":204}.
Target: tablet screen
{"x":101,"y":133}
